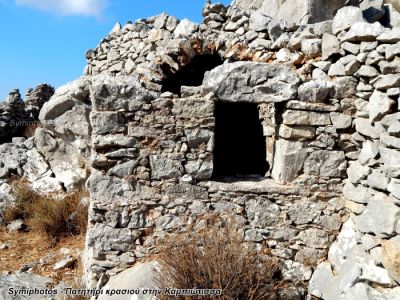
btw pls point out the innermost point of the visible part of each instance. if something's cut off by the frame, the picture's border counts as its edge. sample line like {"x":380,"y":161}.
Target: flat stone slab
{"x":265,"y":186}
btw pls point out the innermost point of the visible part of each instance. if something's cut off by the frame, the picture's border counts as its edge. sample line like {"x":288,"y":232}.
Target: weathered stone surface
{"x":346,"y":17}
{"x":377,"y":180}
{"x":258,"y":21}
{"x":141,"y":276}
{"x":394,"y":187}
{"x":380,"y":217}
{"x":364,"y":127}
{"x":357,"y":193}
{"x":325,"y":163}
{"x":16,"y":225}
{"x":342,"y":248}
{"x":321,"y":280}
{"x":368,"y":152}
{"x":295,"y":272}
{"x":341,"y":121}
{"x":311,"y":47}
{"x":253,"y":82}
{"x":303,"y":212}
{"x":296,"y":132}
{"x":65,"y":263}
{"x":288,"y":161}
{"x":295,"y":117}
{"x":164,"y":168}
{"x":315,"y":238}
{"x":362,"y":31}
{"x":109,"y":93}
{"x":315,"y":91}
{"x":64,"y":99}
{"x":357,"y":172}
{"x":67,"y":160}
{"x":385,"y":82}
{"x":185,"y":28}
{"x":379,"y":105}
{"x":293,"y":11}
{"x":330,"y":45}
{"x":262,"y":213}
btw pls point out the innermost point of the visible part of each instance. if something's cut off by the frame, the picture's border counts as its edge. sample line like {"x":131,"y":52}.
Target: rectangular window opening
{"x":240,"y":145}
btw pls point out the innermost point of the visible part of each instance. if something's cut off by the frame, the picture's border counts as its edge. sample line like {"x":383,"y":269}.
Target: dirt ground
{"x":27,"y":248}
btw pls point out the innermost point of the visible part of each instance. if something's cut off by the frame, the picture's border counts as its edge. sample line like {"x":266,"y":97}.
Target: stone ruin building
{"x":285,"y":119}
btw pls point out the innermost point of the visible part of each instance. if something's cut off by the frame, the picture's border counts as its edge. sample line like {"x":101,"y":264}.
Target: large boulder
{"x":64,"y":142}
{"x":141,"y":276}
{"x":252,"y":82}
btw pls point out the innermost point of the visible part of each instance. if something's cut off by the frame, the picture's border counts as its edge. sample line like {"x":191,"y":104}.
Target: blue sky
{"x":44,"y":41}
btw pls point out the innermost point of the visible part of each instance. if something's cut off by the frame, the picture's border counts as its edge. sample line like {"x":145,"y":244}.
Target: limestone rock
{"x":364,"y":127}
{"x":357,"y":172}
{"x":357,"y":193}
{"x":346,"y":17}
{"x":141,"y":276}
{"x":330,"y":45}
{"x":379,"y":105}
{"x":163,"y":168}
{"x":378,"y":180}
{"x":362,"y":31}
{"x":296,"y":132}
{"x":340,"y":121}
{"x":380,"y":217}
{"x":185,"y":28}
{"x":385,"y":82}
{"x":293,"y":11}
{"x":394,"y":187}
{"x":253,"y":82}
{"x":262,"y":213}
{"x":368,"y":152}
{"x":65,"y":263}
{"x":315,"y":91}
{"x":325,"y":163}
{"x":295,"y":117}
{"x":288,"y":161}
{"x":258,"y":21}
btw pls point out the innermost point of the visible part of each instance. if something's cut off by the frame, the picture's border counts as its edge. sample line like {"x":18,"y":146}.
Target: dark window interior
{"x":240,"y":147}
{"x":190,"y":75}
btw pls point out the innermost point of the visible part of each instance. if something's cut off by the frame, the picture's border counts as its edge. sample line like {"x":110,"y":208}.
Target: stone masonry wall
{"x":328,"y":99}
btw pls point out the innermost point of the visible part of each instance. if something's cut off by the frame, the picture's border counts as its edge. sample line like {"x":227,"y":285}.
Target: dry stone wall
{"x":327,"y":94}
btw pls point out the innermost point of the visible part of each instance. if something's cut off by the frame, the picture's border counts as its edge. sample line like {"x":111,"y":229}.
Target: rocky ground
{"x":26,"y":252}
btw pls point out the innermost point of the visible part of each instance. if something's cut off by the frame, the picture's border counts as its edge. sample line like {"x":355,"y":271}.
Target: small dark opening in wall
{"x":240,"y":145}
{"x":190,"y":75}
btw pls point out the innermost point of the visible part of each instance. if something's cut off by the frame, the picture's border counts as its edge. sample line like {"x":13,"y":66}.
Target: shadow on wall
{"x":190,"y":75}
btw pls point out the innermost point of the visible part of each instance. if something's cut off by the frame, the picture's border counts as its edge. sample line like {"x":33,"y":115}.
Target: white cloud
{"x":68,"y":7}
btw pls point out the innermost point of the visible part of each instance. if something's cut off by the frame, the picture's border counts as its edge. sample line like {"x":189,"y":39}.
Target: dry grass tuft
{"x":59,"y":217}
{"x":215,"y":258}
{"x":51,"y":215}
{"x":25,"y":201}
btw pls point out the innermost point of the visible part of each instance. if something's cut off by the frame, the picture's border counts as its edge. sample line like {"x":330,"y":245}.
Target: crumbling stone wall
{"x":331,"y":108}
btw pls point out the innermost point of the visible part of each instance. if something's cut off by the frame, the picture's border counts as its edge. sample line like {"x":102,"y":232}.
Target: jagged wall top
{"x":294,"y":11}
